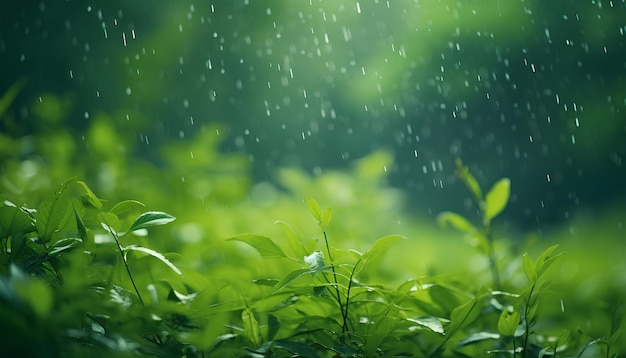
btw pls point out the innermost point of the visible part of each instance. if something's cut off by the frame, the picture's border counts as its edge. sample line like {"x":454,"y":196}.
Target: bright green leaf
{"x":432,"y":323}
{"x":546,"y":259}
{"x":456,"y":221}
{"x":529,"y":268}
{"x":327,"y":215}
{"x":314,"y":207}
{"x":127,"y":206}
{"x":289,"y":278}
{"x":110,"y":221}
{"x":251,"y":326}
{"x":470,"y":181}
{"x":151,"y":218}
{"x":89,"y":195}
{"x":263,"y":244}
{"x":508,"y":322}
{"x":497,"y":198}
{"x":154,"y":254}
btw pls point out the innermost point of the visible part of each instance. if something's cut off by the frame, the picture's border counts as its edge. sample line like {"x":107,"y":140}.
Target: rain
{"x":228,"y":114}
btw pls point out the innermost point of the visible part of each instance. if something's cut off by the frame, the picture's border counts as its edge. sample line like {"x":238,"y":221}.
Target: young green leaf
{"x":90,"y":197}
{"x":155,"y":254}
{"x":127,"y":206}
{"x":151,"y":218}
{"x":470,"y":181}
{"x":314,"y":207}
{"x":263,"y":244}
{"x":110,"y":221}
{"x":289,"y":278}
{"x":508,"y":322}
{"x":529,"y":268}
{"x":546,"y":259}
{"x":326,"y":217}
{"x":497,"y":198}
{"x":456,"y":221}
{"x":251,"y":326}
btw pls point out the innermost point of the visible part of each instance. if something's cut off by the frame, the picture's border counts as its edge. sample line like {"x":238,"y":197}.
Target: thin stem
{"x":527,"y":332}
{"x":119,"y":247}
{"x":332,"y":265}
{"x":493,"y":263}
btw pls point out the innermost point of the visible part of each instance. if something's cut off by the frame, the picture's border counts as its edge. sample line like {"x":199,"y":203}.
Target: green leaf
{"x":497,"y":198}
{"x":251,"y":326}
{"x":327,"y":215}
{"x":314,"y":207}
{"x":151,"y":218}
{"x":64,"y":245}
{"x":470,"y":181}
{"x":127,"y":206}
{"x":110,"y":221}
{"x":89,"y":195}
{"x":432,"y":323}
{"x":456,"y":221}
{"x":529,"y":268}
{"x":476,"y":338}
{"x":54,"y":213}
{"x":546,"y":259}
{"x":508,"y":322}
{"x":155,"y":254}
{"x":14,"y":220}
{"x":289,"y":278}
{"x":463,"y":315}
{"x":263,"y":244}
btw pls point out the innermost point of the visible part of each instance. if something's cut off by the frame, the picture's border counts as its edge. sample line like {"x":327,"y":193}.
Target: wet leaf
{"x":89,"y":196}
{"x":432,"y":323}
{"x":151,"y":218}
{"x":155,"y":254}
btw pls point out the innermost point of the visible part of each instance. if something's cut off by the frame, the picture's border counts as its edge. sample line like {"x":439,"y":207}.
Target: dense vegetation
{"x":85,"y":276}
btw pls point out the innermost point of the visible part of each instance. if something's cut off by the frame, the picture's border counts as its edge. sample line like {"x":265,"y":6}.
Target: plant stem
{"x":344,"y":313}
{"x":526,"y":321}
{"x":119,"y":247}
{"x":493,"y":263}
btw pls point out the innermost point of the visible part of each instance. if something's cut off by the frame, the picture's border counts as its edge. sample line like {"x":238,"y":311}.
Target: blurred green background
{"x":228,"y":113}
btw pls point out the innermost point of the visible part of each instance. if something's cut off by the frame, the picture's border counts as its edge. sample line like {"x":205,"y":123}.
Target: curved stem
{"x":119,"y":247}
